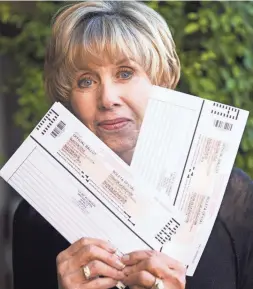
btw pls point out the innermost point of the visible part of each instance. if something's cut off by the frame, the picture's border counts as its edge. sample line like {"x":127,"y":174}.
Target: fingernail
{"x":120,"y":264}
{"x":125,"y":258}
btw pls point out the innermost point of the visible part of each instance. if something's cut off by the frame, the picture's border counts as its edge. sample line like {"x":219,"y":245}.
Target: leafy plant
{"x":27,"y":29}
{"x":214,"y":42}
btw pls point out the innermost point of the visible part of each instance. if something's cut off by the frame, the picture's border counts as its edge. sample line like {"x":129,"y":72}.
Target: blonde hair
{"x":93,"y":28}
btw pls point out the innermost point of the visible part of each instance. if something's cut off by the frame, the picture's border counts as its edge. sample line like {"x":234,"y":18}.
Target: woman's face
{"x":110,"y":99}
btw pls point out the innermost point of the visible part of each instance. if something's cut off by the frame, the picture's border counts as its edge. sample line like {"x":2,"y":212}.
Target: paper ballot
{"x":85,"y":190}
{"x":167,"y":200}
{"x":186,"y":149}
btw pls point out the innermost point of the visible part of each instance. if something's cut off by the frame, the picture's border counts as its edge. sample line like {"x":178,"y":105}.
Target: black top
{"x":227,"y":262}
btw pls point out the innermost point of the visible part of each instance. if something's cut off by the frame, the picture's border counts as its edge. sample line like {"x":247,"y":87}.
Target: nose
{"x":109,"y":96}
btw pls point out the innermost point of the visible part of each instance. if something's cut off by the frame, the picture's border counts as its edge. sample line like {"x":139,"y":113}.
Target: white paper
{"x":85,"y":190}
{"x":186,"y":149}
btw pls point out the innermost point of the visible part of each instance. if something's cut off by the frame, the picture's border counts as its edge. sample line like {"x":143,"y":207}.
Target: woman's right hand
{"x":100,"y":259}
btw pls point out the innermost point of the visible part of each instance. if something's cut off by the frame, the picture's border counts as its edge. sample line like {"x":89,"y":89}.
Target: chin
{"x":122,"y":147}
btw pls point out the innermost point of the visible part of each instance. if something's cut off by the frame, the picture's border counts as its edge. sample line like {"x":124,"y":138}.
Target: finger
{"x":73,"y":278}
{"x":137,"y":256}
{"x":172,"y":277}
{"x":137,"y":287}
{"x":158,"y":267}
{"x":98,"y":268}
{"x":175,"y":280}
{"x":171,"y":262}
{"x":141,"y":279}
{"x":90,"y":253}
{"x":75,"y":247}
{"x":77,"y":278}
{"x":101,"y":283}
{"x":154,"y":265}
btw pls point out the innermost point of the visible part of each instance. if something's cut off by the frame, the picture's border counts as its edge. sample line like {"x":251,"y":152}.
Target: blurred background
{"x":214,"y":41}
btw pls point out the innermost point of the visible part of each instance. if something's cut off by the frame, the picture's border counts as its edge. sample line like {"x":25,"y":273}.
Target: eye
{"x":85,"y":82}
{"x":125,"y":74}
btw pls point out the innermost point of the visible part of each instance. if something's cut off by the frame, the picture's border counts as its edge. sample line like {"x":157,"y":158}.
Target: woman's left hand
{"x":143,"y":267}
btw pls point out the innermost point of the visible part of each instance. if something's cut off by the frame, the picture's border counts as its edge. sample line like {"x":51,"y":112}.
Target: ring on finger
{"x":86,"y":272}
{"x":158,"y":284}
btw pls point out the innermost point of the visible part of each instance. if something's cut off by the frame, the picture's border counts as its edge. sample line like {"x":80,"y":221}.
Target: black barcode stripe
{"x":58,"y":129}
{"x":237,"y":114}
{"x":61,"y":125}
{"x":223,"y":125}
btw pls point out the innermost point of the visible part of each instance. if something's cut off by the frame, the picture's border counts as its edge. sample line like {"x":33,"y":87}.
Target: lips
{"x":113,"y":124}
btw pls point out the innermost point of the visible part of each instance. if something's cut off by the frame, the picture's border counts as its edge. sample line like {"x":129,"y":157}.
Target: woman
{"x":101,"y":61}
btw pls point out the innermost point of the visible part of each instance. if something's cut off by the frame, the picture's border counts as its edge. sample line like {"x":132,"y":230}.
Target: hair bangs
{"x":98,"y":32}
{"x":106,"y":38}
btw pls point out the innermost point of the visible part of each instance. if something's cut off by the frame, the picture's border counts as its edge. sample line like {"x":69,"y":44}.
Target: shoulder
{"x":237,"y":204}
{"x":226,"y":261}
{"x":35,"y":247}
{"x":29,"y":225}
{"x":236,"y":216}
{"x":26,"y":217}
{"x":26,"y":213}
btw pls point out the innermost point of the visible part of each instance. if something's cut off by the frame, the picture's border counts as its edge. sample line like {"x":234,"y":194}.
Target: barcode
{"x":223,"y":125}
{"x":58,"y":129}
{"x":167,"y":232}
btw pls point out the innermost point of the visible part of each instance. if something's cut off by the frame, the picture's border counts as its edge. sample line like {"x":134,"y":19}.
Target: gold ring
{"x":86,"y":272}
{"x":158,"y":284}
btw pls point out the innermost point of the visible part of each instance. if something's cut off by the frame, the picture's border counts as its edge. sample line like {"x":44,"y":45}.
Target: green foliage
{"x":30,"y":23}
{"x":214,"y":41}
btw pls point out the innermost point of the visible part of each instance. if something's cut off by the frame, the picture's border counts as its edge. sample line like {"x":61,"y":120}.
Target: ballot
{"x":186,"y":149}
{"x":167,"y":200}
{"x":80,"y":186}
